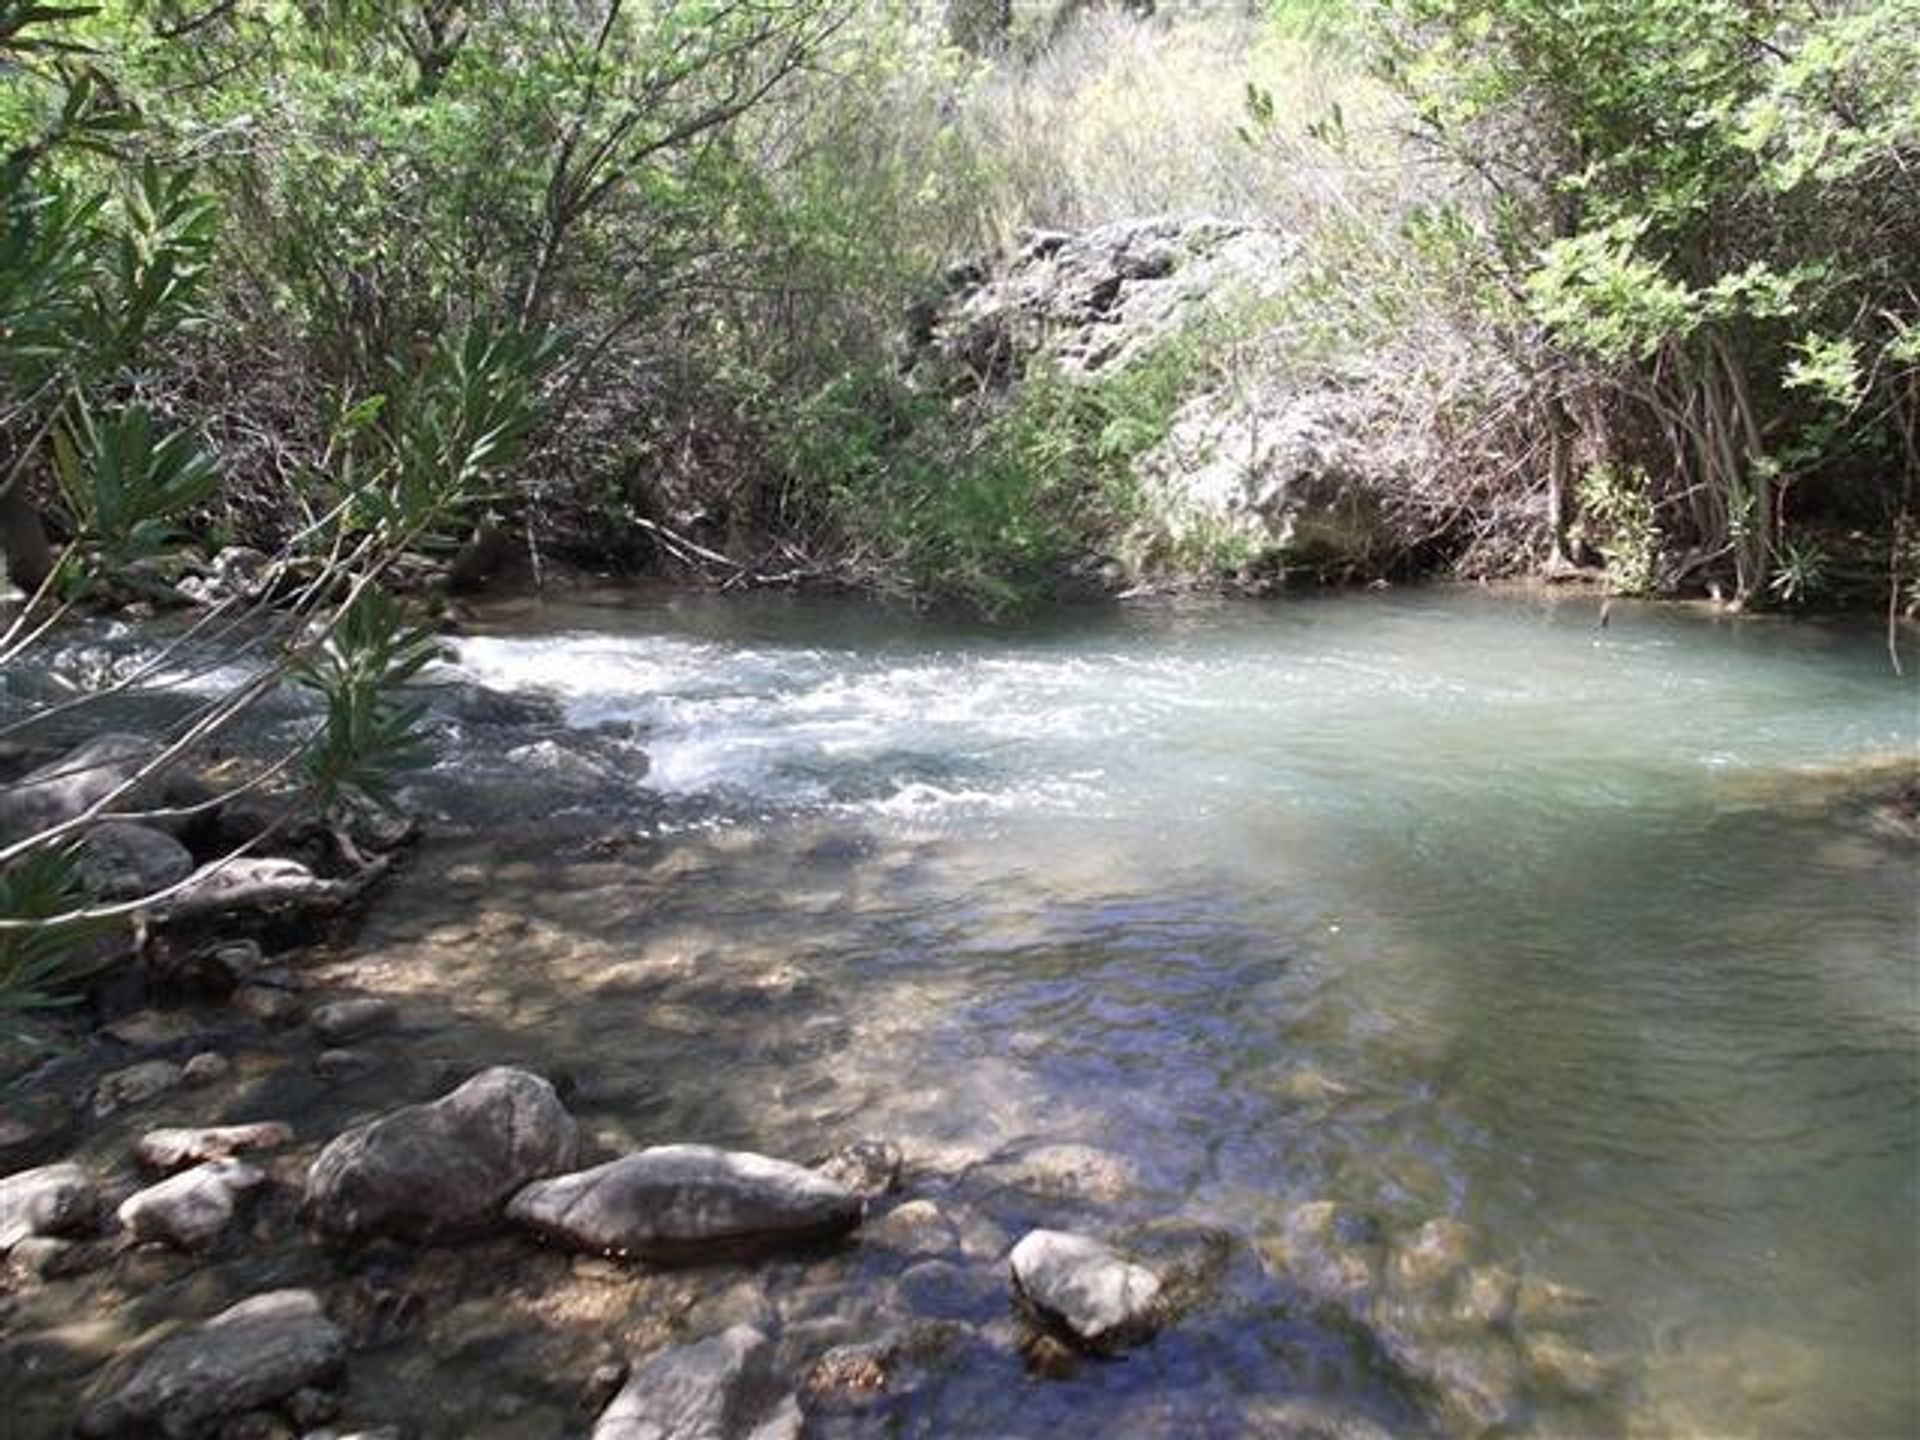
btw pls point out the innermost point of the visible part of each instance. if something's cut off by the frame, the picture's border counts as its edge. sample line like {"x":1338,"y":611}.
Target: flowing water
{"x":1448,"y":905}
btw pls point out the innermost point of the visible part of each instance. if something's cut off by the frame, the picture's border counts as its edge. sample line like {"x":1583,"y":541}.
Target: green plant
{"x":1618,"y":519}
{"x":361,"y":671}
{"x":34,"y":959}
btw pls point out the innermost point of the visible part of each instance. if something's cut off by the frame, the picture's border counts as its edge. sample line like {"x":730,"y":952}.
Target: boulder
{"x":442,"y":1169}
{"x":169,"y":1150}
{"x":123,"y":861}
{"x":256,"y":1353}
{"x":678,"y":1202}
{"x":718,"y":1389}
{"x":1097,"y":1295}
{"x":342,"y":1020}
{"x":194,"y":1207}
{"x":64,"y":789}
{"x":53,"y":1200}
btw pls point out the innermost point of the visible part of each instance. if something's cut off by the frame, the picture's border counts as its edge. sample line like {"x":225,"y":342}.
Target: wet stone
{"x":344,"y":1064}
{"x":716,"y":1389}
{"x":1099,"y":1296}
{"x":345,"y":1020}
{"x":134,"y":1085}
{"x":249,"y":1356}
{"x":943,"y":1290}
{"x":915,"y":1227}
{"x":851,"y":1373}
{"x":269,"y":1004}
{"x":1435,"y":1256}
{"x":52,"y":1200}
{"x":172,"y":1149}
{"x":869,"y":1168}
{"x":206,"y":1068}
{"x":436,"y":1170}
{"x":193,"y":1208}
{"x":686,"y":1202}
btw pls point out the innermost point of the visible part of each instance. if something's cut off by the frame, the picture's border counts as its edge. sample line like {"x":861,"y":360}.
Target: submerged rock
{"x":719,"y":1389}
{"x":1102,"y":1299}
{"x":1435,"y":1257}
{"x":1328,"y":1252}
{"x":676,"y":1202}
{"x":52,"y":1200}
{"x":869,"y":1168}
{"x":430,"y":1171}
{"x":256,"y":1353}
{"x":172,"y":1149}
{"x":134,"y":1085}
{"x":344,"y":1020}
{"x":194,"y":1207}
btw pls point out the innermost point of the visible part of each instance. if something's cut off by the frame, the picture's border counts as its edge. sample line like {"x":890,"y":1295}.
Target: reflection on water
{"x":1444,"y":906}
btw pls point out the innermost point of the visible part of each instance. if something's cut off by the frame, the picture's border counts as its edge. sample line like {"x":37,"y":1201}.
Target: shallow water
{"x":1165,"y":923}
{"x":1441,"y":905}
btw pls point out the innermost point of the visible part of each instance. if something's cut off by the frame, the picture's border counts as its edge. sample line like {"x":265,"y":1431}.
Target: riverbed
{"x":1173,"y":923}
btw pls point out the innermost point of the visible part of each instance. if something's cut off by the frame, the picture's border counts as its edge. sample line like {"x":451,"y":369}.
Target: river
{"x":1447,"y":904}
{"x":1172,"y":923}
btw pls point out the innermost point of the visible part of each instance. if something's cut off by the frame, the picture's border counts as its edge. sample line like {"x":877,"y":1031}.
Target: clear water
{"x":1562,"y":916}
{"x":1430,"y":905}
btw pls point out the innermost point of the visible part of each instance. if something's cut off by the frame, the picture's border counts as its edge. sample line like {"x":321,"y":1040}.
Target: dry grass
{"x":1119,"y":116}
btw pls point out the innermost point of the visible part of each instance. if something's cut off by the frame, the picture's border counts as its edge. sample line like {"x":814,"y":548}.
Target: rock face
{"x":53,"y":1200}
{"x":718,"y":1389}
{"x":168,"y":1150}
{"x":1284,"y":465}
{"x":258,"y":1352}
{"x":1102,"y":1299}
{"x":1096,"y":300}
{"x":676,"y":1202}
{"x":122,"y":861}
{"x":432,"y":1171}
{"x":194,"y":1207}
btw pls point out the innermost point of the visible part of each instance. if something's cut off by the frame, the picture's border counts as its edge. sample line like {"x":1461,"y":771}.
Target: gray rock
{"x":869,"y":1168}
{"x":194,"y":1207}
{"x":431,"y":1171}
{"x":256,"y":1353}
{"x":269,"y":1004}
{"x":53,"y":1200}
{"x":123,"y":861}
{"x":687,"y":1201}
{"x":344,"y":1020}
{"x":168,"y":1150}
{"x":134,"y":1085}
{"x":206,"y":1068}
{"x":344,"y":1064}
{"x":1102,"y":1299}
{"x":915,"y":1227}
{"x":1094,"y":301}
{"x":67,"y":788}
{"x":719,"y":1389}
